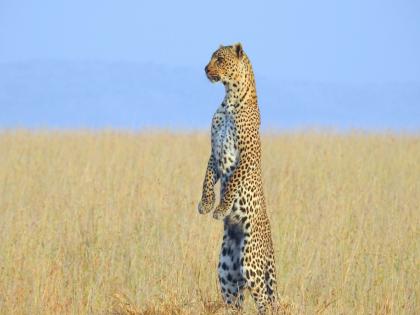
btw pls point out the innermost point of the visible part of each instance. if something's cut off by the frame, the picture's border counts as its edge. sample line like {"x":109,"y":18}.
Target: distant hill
{"x":132,"y":96}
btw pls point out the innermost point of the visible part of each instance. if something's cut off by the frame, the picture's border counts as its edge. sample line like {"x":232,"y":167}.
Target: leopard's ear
{"x":238,"y":50}
{"x":221,"y":46}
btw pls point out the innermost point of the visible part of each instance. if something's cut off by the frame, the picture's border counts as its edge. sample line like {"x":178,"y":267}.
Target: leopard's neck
{"x":238,"y":93}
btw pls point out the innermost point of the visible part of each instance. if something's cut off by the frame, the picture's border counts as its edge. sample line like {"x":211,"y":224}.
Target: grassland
{"x":106,"y":223}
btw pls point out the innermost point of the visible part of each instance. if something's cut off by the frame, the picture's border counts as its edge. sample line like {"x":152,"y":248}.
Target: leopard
{"x":246,"y":259}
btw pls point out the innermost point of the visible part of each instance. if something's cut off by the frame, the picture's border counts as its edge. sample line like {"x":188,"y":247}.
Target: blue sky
{"x":337,"y":42}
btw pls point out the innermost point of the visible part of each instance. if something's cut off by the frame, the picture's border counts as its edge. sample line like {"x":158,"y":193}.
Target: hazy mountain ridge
{"x":131,"y":95}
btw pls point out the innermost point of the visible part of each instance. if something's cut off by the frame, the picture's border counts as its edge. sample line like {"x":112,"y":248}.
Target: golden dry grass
{"x":106,"y":223}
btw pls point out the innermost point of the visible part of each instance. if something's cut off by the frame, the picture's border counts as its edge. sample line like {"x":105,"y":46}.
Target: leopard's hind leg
{"x":232,"y":283}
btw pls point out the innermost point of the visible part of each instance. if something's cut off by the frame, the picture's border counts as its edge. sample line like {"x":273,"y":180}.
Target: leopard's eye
{"x":219,"y":60}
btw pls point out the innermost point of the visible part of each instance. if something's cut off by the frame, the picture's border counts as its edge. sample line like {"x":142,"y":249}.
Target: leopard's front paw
{"x":207,"y":202}
{"x":204,"y":207}
{"x":220,"y":212}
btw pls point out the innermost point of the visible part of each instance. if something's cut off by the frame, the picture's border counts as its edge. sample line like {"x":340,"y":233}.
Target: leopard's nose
{"x":206,"y":69}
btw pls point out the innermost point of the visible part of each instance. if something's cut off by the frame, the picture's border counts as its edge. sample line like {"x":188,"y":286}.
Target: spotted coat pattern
{"x":246,"y":257}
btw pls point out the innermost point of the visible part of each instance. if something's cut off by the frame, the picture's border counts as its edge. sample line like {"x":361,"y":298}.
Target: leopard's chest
{"x":224,"y":143}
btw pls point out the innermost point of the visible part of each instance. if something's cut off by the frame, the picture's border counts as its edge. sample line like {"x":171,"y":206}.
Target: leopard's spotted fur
{"x":247,"y":257}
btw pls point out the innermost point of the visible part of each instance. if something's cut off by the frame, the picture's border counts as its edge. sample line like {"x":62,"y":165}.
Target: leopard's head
{"x":227,"y":64}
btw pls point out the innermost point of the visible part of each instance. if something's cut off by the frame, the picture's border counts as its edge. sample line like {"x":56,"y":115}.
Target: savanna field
{"x":107,"y":223}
